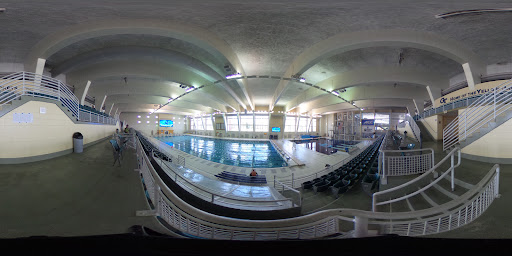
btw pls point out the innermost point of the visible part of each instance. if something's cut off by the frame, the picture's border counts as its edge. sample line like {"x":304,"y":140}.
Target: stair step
{"x":409,"y":204}
{"x":428,"y":199}
{"x":459,"y":182}
{"x":445,"y":192}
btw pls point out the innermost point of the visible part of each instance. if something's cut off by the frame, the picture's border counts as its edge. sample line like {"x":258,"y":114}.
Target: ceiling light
{"x":302,"y":80}
{"x":190,"y":89}
{"x":232,"y":76}
{"x":169,"y":100}
{"x":354,"y":104}
{"x":335,"y":93}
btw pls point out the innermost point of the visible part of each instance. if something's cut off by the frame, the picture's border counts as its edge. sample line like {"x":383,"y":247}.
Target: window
{"x":209,"y":123}
{"x":232,"y":123}
{"x":246,"y":122}
{"x":290,"y":124}
{"x":199,"y":123}
{"x":193,"y":123}
{"x":303,"y":124}
{"x":313,"y":125}
{"x":261,"y":123}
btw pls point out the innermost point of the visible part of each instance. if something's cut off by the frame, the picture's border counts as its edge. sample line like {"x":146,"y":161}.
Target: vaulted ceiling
{"x":141,"y":54}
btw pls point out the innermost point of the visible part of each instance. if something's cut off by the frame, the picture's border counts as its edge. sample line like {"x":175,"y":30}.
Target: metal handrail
{"x":23,"y":83}
{"x":211,"y":194}
{"x":479,"y":113}
{"x":433,"y":169}
{"x":191,"y":220}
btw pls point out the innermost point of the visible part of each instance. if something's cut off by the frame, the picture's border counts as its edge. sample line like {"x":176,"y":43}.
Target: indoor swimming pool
{"x":252,"y":154}
{"x":326,"y":146}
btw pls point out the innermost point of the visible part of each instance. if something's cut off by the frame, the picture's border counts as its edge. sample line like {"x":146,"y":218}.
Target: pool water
{"x":254,"y":154}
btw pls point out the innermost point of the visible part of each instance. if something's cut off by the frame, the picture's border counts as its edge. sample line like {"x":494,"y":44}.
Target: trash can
{"x":78,"y":142}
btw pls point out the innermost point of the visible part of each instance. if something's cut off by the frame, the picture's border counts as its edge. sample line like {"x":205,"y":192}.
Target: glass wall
{"x":209,"y":123}
{"x":290,"y":124}
{"x":232,"y":123}
{"x":246,"y":122}
{"x":303,"y":124}
{"x":261,"y":123}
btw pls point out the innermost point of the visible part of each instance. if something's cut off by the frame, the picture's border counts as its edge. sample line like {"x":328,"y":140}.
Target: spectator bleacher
{"x":342,"y":179}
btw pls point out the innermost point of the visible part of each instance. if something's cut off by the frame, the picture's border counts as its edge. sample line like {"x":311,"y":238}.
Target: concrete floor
{"x":82,"y":194}
{"x":73,"y":195}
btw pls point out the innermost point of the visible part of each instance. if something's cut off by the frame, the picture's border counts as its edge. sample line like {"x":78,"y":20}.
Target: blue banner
{"x":368,"y":122}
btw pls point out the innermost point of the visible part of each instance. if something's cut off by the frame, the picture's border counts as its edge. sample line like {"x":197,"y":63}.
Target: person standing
{"x":126,"y":129}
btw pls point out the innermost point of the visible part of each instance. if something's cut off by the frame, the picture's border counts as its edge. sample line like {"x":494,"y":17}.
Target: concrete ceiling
{"x":160,"y":44}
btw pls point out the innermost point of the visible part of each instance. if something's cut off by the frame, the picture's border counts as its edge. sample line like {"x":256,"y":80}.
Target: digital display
{"x":276,"y":129}
{"x":166,"y":123}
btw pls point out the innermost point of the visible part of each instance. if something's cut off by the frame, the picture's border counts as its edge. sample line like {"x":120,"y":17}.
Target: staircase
{"x":425,"y":134}
{"x":482,"y":116}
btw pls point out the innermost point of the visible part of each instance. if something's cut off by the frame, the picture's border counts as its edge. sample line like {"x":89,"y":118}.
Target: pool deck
{"x":239,"y":196}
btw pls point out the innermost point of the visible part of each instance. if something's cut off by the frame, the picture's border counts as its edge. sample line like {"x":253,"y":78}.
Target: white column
{"x":434,"y":93}
{"x":360,"y":226}
{"x":103,"y":103}
{"x":85,"y":92}
{"x":419,"y":105}
{"x":111,"y":109}
{"x":471,"y":77}
{"x":40,"y":66}
{"x":116,"y":112}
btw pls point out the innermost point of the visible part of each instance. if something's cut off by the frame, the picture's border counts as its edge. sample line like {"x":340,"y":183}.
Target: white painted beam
{"x":85,"y":92}
{"x":471,"y":77}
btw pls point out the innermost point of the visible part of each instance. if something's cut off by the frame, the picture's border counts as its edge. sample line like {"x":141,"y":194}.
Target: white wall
{"x":495,"y":144}
{"x":48,"y":133}
{"x":432,"y":126}
{"x":132,"y":119}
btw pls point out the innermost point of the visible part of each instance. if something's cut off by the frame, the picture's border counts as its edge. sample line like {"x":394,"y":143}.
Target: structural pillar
{"x":434,"y":94}
{"x":419,"y":103}
{"x":103,"y":103}
{"x":40,"y":66}
{"x":111,"y":109}
{"x":85,"y":92}
{"x":472,"y":77}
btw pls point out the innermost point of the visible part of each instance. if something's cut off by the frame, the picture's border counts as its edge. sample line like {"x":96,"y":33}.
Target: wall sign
{"x":42,"y":110}
{"x":22,"y":118}
{"x":368,"y":122}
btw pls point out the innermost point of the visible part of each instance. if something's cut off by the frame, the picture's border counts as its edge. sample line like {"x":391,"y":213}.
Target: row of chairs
{"x":340,"y":180}
{"x":83,"y":107}
{"x":242,"y":178}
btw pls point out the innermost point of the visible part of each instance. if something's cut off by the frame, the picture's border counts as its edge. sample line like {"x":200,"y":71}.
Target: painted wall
{"x":433,"y":126}
{"x":48,"y":133}
{"x":132,"y":119}
{"x":495,"y":144}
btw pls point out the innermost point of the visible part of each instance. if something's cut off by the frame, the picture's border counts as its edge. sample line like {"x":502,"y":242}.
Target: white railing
{"x":451,"y":215}
{"x":24,"y":83}
{"x":192,"y":221}
{"x":412,"y":187}
{"x":221,"y":199}
{"x":479,"y":113}
{"x":20,"y":84}
{"x":414,"y":127}
{"x":405,"y":162}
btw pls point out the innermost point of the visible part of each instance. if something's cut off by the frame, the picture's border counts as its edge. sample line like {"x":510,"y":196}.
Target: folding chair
{"x":116,"y":150}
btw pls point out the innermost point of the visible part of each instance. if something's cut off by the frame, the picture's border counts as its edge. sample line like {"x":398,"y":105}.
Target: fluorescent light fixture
{"x":362,"y":109}
{"x":335,"y":93}
{"x":170,"y":99}
{"x":354,"y":104}
{"x":237,"y":75}
{"x":302,"y":80}
{"x":190,"y":89}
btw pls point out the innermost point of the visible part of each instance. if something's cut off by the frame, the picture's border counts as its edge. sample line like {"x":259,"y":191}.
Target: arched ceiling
{"x":369,"y":47}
